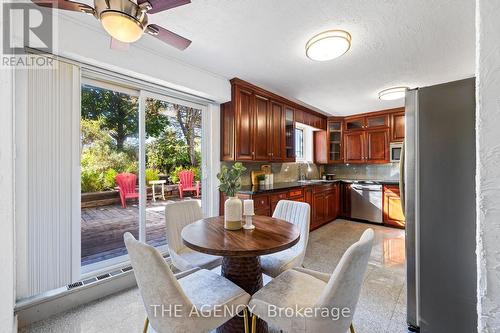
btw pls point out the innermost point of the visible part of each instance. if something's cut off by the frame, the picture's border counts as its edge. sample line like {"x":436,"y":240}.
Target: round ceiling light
{"x":122,"y":26}
{"x":328,"y":45}
{"x":392,"y":93}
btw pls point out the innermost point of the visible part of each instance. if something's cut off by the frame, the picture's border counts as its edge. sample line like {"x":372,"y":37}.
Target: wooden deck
{"x":102,"y":229}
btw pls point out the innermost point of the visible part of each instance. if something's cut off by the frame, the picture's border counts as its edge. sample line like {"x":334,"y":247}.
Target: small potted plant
{"x":230,"y":183}
{"x":262,"y":180}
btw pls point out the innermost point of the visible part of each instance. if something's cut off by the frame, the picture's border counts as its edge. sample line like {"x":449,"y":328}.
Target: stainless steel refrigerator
{"x":438,"y":170}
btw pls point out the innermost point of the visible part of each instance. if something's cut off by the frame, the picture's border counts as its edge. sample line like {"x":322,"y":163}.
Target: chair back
{"x":158,"y":286}
{"x":186,"y":178}
{"x":177,"y":216}
{"x":344,"y":286}
{"x":126,"y":182}
{"x":297,"y":213}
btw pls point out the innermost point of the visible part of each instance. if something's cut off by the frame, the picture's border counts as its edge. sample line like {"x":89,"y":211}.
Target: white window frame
{"x":208,"y":204}
{"x":307,"y":139}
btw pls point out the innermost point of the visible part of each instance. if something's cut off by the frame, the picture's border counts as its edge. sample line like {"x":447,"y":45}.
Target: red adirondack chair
{"x":186,"y":183}
{"x":126,"y":183}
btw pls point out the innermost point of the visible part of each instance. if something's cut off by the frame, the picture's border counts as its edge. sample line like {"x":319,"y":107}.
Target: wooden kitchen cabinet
{"x":325,"y":204}
{"x":398,"y":126}
{"x":276,"y":132}
{"x":355,"y":123}
{"x":257,"y":125}
{"x":377,"y":121}
{"x":289,"y":134}
{"x":354,"y":147}
{"x":261,"y":129}
{"x":377,"y":146}
{"x":393,"y":211}
{"x":244,"y":123}
{"x":334,"y":139}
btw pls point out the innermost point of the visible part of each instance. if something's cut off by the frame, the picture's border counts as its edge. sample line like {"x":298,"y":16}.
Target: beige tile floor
{"x":381,"y":307}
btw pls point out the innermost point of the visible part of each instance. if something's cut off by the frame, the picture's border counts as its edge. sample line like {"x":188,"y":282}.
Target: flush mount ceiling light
{"x":328,"y":45}
{"x":392,"y":93}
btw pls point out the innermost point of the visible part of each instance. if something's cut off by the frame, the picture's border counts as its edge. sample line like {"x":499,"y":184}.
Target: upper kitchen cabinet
{"x":262,"y":129}
{"x":377,"y":146}
{"x":355,"y":123}
{"x":367,"y":136}
{"x":398,"y":125}
{"x":354,"y":147}
{"x":244,"y":124}
{"x":289,"y":134}
{"x":257,"y":125}
{"x":335,"y":145}
{"x":277,"y":132}
{"x":328,"y":145}
{"x":377,"y":121}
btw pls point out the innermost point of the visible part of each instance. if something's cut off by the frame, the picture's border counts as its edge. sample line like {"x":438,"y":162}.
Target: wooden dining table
{"x":240,"y":251}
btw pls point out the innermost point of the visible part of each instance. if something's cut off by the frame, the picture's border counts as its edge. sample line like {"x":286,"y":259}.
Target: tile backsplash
{"x":389,"y":171}
{"x":283,"y":172}
{"x":289,"y":172}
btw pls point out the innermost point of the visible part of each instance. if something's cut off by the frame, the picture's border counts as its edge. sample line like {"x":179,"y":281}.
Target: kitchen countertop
{"x":251,"y":190}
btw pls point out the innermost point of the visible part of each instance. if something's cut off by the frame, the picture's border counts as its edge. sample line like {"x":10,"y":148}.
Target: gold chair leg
{"x":254,"y":323}
{"x":351,"y":328}
{"x":146,"y":324}
{"x":245,"y":319}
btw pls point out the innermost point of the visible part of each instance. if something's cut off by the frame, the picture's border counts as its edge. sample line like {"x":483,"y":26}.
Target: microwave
{"x":396,"y":149}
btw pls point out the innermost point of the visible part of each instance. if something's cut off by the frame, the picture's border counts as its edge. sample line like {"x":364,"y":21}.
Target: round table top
{"x":270,"y":235}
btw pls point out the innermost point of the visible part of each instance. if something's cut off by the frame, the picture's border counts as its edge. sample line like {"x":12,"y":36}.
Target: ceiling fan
{"x":126,"y":20}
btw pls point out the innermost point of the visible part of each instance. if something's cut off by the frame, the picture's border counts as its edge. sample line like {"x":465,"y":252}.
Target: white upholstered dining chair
{"x":191,"y":304}
{"x":177,"y":216}
{"x":297,"y":213}
{"x":307,"y":289}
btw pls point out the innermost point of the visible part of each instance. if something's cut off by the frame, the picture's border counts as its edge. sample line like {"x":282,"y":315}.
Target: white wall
{"x":7,"y":286}
{"x":488,"y":164}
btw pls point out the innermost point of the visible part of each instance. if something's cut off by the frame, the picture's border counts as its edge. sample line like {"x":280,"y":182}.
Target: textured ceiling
{"x":394,"y":42}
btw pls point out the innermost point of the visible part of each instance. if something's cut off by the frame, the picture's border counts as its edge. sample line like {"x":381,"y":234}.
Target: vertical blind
{"x":48,"y":144}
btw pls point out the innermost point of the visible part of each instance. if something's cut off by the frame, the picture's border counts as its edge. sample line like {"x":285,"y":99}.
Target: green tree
{"x":119,"y":113}
{"x":189,"y":120}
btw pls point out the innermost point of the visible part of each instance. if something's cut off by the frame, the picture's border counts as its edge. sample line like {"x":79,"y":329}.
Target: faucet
{"x":303,"y":173}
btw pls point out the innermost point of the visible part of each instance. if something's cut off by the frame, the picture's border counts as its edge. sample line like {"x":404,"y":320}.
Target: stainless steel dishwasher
{"x":366,"y":202}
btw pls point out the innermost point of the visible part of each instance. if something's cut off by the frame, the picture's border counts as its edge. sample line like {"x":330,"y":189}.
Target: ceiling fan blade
{"x":117,"y":45}
{"x":161,"y":5}
{"x":65,"y":4}
{"x":168,"y":36}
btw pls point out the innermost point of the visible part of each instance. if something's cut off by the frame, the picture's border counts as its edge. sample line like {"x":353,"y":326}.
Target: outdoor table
{"x":158,"y":182}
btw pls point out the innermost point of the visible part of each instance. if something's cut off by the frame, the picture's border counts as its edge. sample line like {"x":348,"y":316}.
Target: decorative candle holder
{"x":248,"y":223}
{"x":248,"y":211}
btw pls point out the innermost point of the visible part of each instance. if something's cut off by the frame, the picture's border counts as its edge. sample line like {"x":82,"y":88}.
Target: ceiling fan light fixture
{"x":392,"y":93}
{"x":328,"y":45}
{"x":121,"y":26}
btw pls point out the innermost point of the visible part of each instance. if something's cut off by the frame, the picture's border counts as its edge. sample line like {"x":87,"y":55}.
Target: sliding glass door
{"x":173,"y":159}
{"x":139,"y":152}
{"x":109,"y":126}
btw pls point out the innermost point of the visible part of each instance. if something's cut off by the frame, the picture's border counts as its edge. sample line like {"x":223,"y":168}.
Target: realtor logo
{"x":26,"y":27}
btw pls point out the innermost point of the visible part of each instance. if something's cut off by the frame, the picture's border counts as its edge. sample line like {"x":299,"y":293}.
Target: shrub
{"x":90,"y":181}
{"x":109,"y":179}
{"x":152,"y":174}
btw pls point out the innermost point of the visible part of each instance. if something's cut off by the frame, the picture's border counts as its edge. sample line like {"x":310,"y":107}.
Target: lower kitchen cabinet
{"x":393,"y":211}
{"x":325,"y":204}
{"x":323,"y":199}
